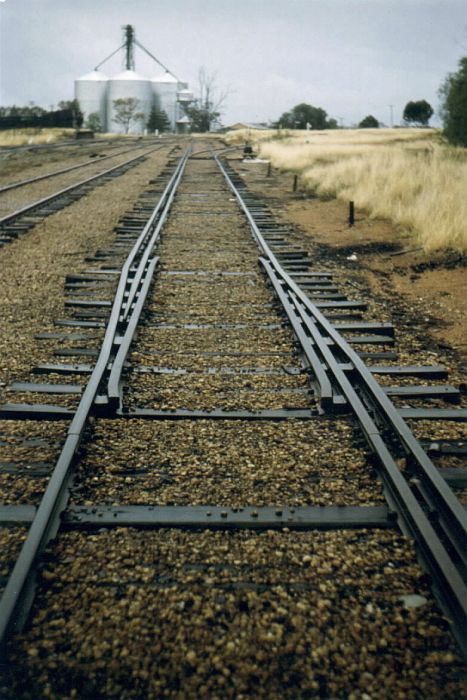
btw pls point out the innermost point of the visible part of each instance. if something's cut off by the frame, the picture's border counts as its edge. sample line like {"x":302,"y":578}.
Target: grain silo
{"x":129,"y":84}
{"x":91,"y":93}
{"x":97,"y":93}
{"x":165,"y":88}
{"x":184,"y":96}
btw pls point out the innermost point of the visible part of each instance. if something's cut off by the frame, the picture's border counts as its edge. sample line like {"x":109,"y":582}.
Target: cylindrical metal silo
{"x":184,"y":97}
{"x":124,"y":85}
{"x":165,"y":88}
{"x":91,"y":92}
{"x":183,"y":125}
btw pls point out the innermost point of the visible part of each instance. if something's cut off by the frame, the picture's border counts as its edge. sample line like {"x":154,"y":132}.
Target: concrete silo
{"x":129,"y":84}
{"x":91,"y":93}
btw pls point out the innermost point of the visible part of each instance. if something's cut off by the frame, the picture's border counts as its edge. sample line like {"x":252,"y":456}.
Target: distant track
{"x":20,"y":221}
{"x":46,"y":176}
{"x":59,"y":144}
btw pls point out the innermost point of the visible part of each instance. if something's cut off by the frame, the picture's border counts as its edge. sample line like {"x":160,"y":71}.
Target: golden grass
{"x":405,"y":175}
{"x":33,"y":137}
{"x":24,"y":137}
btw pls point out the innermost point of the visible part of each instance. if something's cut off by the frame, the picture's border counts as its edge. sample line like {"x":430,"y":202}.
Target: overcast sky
{"x":350,"y":57}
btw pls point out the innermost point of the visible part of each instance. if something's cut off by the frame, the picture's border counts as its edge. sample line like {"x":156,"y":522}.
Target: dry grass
{"x":24,"y":137}
{"x":405,"y":175}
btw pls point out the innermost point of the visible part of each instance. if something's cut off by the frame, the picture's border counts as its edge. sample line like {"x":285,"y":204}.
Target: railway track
{"x":26,"y":217}
{"x":69,"y":168}
{"x":224,"y":501}
{"x":71,"y":144}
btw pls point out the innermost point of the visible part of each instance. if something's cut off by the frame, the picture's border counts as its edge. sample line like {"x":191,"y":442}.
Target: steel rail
{"x":114,"y":381}
{"x":60,"y":193}
{"x":442,"y":566}
{"x":62,"y":171}
{"x":19,"y":591}
{"x":321,"y":377}
{"x":153,"y":229}
{"x":444,"y":561}
{"x":451,"y":514}
{"x":325,"y":388}
{"x":154,"y":225}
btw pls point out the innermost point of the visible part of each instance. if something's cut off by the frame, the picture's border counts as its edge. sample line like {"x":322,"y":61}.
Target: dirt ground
{"x":431,"y":285}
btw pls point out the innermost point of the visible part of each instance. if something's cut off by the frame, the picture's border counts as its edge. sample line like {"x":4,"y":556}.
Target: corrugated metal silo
{"x":124,"y":85}
{"x":165,"y":88}
{"x":183,"y":125}
{"x":91,"y":91}
{"x":185,"y":96}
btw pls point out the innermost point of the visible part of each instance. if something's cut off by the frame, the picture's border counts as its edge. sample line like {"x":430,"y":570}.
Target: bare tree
{"x":126,"y":112}
{"x":205,"y":110}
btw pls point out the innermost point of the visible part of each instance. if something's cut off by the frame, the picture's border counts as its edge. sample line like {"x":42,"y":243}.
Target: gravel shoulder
{"x":429,"y":286}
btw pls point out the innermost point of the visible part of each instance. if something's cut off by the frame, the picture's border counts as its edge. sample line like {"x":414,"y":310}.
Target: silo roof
{"x":93,"y":75}
{"x":128,"y":75}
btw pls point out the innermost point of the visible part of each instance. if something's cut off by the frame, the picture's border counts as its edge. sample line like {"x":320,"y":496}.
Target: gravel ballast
{"x":236,"y":615}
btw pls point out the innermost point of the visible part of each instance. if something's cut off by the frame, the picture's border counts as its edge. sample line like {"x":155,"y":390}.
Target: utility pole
{"x":391,"y":116}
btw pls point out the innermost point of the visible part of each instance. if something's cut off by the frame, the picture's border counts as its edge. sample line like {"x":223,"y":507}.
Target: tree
{"x":158,"y":121}
{"x":305,"y":116}
{"x":370,"y":122}
{"x":418,"y":112}
{"x":93,"y":121}
{"x":453,"y":93}
{"x":126,"y":112}
{"x":205,"y":110}
{"x":34,"y":116}
{"x":75,"y":109}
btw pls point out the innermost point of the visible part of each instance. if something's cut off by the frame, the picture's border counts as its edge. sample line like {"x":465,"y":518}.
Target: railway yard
{"x":230,"y":466}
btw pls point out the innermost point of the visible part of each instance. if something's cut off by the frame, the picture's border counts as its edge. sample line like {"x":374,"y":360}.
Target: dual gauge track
{"x":206,"y":320}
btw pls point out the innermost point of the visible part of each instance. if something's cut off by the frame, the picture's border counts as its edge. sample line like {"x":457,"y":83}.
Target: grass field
{"x":24,"y":137}
{"x":406,"y":175}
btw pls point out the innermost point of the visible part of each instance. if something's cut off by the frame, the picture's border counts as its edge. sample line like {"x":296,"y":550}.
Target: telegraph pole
{"x":391,"y":116}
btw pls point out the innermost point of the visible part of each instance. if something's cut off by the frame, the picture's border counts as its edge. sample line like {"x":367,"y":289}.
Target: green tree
{"x":126,"y":112}
{"x":201,"y":118}
{"x":158,"y":120}
{"x":75,"y":109}
{"x":305,"y":116}
{"x":94,"y":122}
{"x":369,"y":122}
{"x":418,"y":112}
{"x":453,"y":93}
